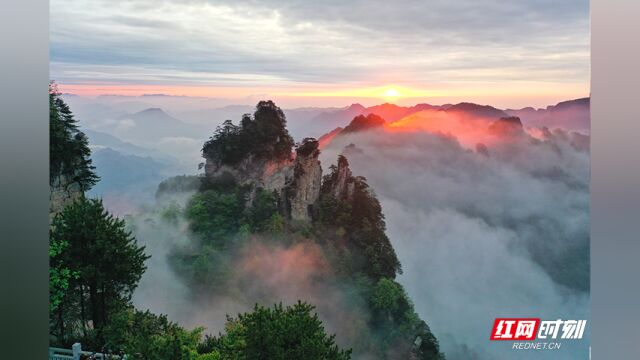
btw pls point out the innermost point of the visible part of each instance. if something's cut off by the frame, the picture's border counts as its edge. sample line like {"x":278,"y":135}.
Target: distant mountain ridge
{"x":122,"y":118}
{"x":326,"y":122}
{"x":152,"y":125}
{"x":100,"y":140}
{"x":373,"y":117}
{"x":485,"y":111}
{"x":572,"y":115}
{"x":129,"y":181}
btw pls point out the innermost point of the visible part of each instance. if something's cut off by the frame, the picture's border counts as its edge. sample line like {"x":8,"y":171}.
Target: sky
{"x":325,"y":53}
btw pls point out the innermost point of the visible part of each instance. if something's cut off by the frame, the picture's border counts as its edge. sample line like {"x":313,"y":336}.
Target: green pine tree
{"x":278,"y":333}
{"x":106,"y":263}
{"x":69,"y":153}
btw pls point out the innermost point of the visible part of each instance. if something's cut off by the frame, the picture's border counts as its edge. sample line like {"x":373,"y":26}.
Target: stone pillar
{"x":307,"y":178}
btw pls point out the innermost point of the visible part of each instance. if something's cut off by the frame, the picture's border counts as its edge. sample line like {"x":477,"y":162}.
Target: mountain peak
{"x":385,"y":106}
{"x":152,"y":110}
{"x":478,"y":110}
{"x":362,"y":122}
{"x":356,"y":107}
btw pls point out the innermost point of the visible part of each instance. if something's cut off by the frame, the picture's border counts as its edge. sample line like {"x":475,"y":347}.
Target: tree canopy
{"x":104,"y":264}
{"x":143,"y":335}
{"x":277,"y":333}
{"x":263,"y":135}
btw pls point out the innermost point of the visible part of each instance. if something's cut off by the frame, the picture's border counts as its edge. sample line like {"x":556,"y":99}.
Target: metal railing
{"x":76,"y":353}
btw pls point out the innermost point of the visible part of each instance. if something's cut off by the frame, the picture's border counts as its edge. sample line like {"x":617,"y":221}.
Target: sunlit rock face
{"x":297,"y":180}
{"x":307,"y":178}
{"x":257,"y":173}
{"x":266,"y":174}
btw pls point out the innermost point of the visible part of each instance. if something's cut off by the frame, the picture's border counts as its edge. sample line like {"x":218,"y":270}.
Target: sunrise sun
{"x":391,"y":93}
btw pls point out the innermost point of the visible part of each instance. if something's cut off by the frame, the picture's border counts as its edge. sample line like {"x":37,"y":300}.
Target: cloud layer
{"x":310,"y":45}
{"x":480,"y":236}
{"x":262,"y":272}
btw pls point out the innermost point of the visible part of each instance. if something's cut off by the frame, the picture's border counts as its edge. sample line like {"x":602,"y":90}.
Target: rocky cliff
{"x":258,"y":173}
{"x":304,"y":189}
{"x":343,"y":185}
{"x":63,"y":192}
{"x":336,"y":212}
{"x":296,"y":180}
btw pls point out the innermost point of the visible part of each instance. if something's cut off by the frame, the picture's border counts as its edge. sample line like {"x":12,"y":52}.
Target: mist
{"x":502,"y":232}
{"x":262,"y":271}
{"x":488,"y":220}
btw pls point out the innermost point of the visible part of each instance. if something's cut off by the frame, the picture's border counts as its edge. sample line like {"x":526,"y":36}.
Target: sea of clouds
{"x":480,"y":235}
{"x":481,"y":232}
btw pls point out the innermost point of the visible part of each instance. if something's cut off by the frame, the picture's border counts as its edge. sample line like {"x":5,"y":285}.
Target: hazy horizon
{"x":204,"y":102}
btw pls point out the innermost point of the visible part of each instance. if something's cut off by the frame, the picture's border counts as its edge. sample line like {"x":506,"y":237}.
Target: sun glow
{"x":391,"y":93}
{"x":516,"y":95}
